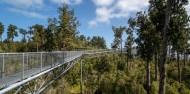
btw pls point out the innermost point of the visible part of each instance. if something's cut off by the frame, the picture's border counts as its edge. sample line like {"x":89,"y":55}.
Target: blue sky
{"x":96,"y":16}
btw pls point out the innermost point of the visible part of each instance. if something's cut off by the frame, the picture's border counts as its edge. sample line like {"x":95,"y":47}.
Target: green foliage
{"x":154,"y":88}
{"x":108,"y":74}
{"x":24,"y":33}
{"x":58,"y":87}
{"x":103,"y":65}
{"x":66,"y":29}
{"x":130,"y":39}
{"x":1,"y":30}
{"x":12,"y":32}
{"x":176,"y":88}
{"x":102,"y":76}
{"x":107,"y":83}
{"x":98,"y":42}
{"x":145,"y":40}
{"x":121,"y":65}
{"x":38,"y":36}
{"x":186,"y":91}
{"x":171,"y":90}
{"x":118,"y":33}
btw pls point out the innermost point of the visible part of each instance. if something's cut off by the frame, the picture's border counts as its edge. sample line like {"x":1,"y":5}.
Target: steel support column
{"x":81,"y":77}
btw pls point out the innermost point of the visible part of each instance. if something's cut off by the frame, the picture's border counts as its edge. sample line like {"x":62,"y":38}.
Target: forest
{"x":153,"y":60}
{"x":59,"y":35}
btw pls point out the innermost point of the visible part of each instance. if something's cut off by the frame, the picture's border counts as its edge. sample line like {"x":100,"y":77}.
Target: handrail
{"x":18,"y":64}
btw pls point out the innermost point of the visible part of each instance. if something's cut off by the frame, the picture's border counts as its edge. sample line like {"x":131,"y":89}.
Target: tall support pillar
{"x":81,"y":77}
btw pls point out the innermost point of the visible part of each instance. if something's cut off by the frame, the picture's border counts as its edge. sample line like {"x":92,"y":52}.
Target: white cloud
{"x":24,"y":3}
{"x":188,"y":8}
{"x":26,"y":7}
{"x":131,"y":5}
{"x":67,"y":1}
{"x":103,"y":14}
{"x":110,"y":9}
{"x":28,"y":14}
{"x":103,"y":2}
{"x":93,"y":23}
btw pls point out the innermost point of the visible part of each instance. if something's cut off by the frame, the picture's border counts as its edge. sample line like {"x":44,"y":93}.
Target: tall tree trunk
{"x":148,"y":74}
{"x":178,"y":67}
{"x":128,"y":62}
{"x":169,"y":53}
{"x":156,"y":67}
{"x":184,"y":58}
{"x":1,"y":39}
{"x":164,"y":50}
{"x":172,"y":54}
{"x":12,"y":40}
{"x":121,"y":48}
{"x":24,"y":38}
{"x":37,"y":47}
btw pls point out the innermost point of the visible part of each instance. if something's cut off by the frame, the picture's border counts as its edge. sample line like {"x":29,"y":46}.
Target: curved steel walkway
{"x":17,"y":69}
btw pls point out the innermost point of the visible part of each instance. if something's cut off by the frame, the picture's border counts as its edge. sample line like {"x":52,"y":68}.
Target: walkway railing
{"x":15,"y":67}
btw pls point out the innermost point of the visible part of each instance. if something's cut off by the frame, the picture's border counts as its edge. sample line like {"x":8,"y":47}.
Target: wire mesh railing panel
{"x":19,"y":66}
{"x":46,"y":60}
{"x":12,"y":64}
{"x":33,"y":60}
{"x":1,"y":66}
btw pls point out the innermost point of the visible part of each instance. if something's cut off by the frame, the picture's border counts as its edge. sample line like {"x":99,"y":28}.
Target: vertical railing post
{"x":72,"y":55}
{"x":3,"y":67}
{"x":63,"y":57}
{"x":41,"y":61}
{"x":22,"y":66}
{"x":27,"y":61}
{"x":54,"y":59}
{"x":69,"y":55}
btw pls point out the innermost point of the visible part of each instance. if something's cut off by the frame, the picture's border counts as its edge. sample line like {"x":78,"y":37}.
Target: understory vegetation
{"x":110,"y":74}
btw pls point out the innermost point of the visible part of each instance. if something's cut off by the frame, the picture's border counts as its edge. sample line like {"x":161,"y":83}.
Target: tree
{"x":12,"y":32}
{"x":50,"y":43}
{"x":157,"y":15}
{"x":115,"y":43}
{"x":98,"y":42}
{"x":24,"y":33}
{"x":39,"y":36}
{"x":130,"y":39}
{"x":82,"y":38}
{"x":145,"y":40}
{"x":88,"y":38}
{"x":164,"y":49}
{"x":30,"y":31}
{"x":1,"y":30}
{"x":179,"y":24}
{"x":118,"y":32}
{"x":67,"y":29}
